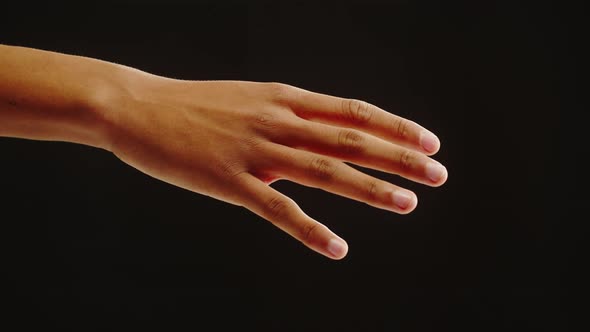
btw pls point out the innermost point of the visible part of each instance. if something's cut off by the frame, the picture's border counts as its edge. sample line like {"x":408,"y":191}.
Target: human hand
{"x":231,"y":139}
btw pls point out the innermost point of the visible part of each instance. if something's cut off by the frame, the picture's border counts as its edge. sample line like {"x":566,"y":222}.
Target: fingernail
{"x":337,"y":247}
{"x":435,"y":171}
{"x":429,"y":141}
{"x":402,"y":199}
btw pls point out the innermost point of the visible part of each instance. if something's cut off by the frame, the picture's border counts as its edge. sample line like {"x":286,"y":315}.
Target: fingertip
{"x":436,"y":173}
{"x":337,"y":248}
{"x":429,"y":142}
{"x":405,"y":201}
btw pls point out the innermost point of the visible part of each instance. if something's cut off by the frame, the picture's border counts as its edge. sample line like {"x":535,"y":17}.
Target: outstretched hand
{"x":231,"y":139}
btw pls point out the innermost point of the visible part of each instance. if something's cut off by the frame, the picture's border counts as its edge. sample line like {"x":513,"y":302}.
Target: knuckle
{"x":406,"y":159}
{"x":253,"y":143}
{"x":307,"y":231}
{"x":372,"y":189}
{"x":357,"y":111}
{"x":277,"y":208}
{"x":274,"y":124}
{"x":322,"y":169}
{"x":279,"y":91}
{"x":350,"y":141}
{"x":401,"y":128}
{"x":265,"y":119}
{"x":229,"y":168}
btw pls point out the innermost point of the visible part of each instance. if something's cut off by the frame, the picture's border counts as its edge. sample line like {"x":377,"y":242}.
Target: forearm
{"x":53,"y":96}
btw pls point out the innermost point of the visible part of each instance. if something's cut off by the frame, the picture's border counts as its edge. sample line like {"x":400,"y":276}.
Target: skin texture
{"x":225,"y":139}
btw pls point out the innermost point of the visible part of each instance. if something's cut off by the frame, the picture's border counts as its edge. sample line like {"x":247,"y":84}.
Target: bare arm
{"x":53,"y":96}
{"x":225,"y":139}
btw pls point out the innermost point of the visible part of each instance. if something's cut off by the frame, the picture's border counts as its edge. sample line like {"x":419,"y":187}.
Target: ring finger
{"x":318,"y":171}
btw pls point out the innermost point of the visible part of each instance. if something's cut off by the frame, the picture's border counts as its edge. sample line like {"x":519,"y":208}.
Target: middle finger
{"x":367,"y":150}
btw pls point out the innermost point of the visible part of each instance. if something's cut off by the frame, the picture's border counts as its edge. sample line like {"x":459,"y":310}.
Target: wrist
{"x":113,"y":95}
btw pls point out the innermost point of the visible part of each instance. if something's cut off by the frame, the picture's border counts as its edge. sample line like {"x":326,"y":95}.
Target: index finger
{"x":361,"y":115}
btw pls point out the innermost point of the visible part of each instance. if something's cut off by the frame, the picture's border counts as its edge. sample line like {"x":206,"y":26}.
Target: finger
{"x":284,"y":213}
{"x":367,"y":150}
{"x":313,"y":170}
{"x":363,"y":116}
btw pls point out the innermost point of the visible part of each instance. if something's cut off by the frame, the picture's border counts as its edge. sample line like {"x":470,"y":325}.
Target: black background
{"x":94,"y":245}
